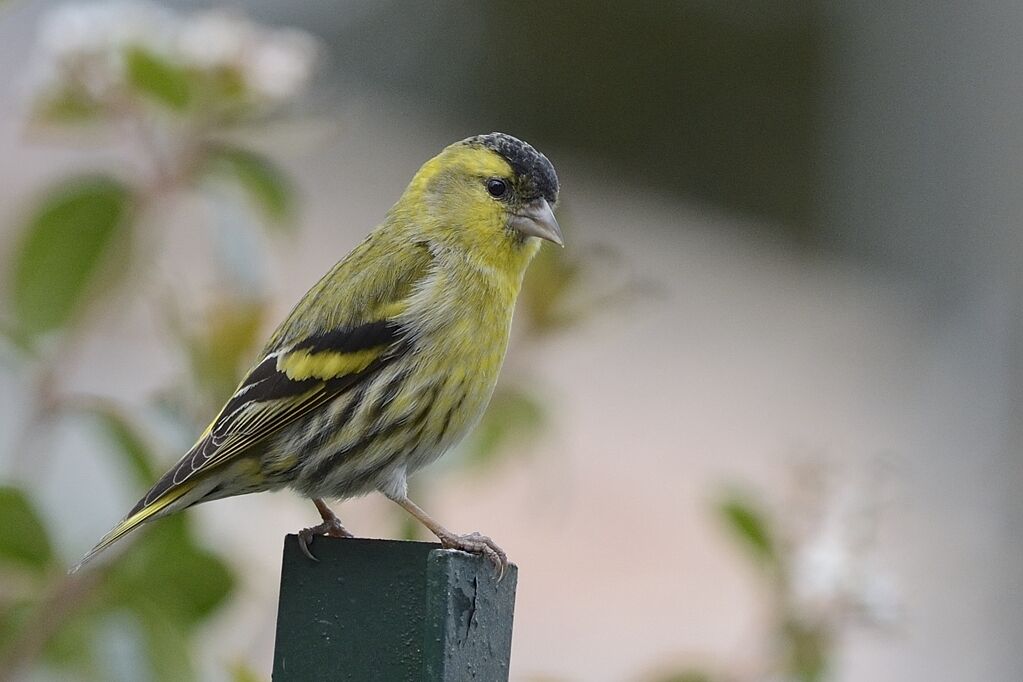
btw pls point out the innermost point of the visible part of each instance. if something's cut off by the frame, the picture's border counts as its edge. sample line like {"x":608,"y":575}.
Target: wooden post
{"x":391,"y":610}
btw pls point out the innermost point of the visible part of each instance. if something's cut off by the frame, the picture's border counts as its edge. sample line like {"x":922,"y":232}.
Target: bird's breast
{"x":460,"y":353}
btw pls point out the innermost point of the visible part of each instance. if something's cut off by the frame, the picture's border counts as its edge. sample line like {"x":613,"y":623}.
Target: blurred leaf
{"x":512,"y":415}
{"x":683,"y":676}
{"x":158,"y":79}
{"x":71,"y":646}
{"x":167,"y":646}
{"x":17,"y":338}
{"x":409,"y":528}
{"x":221,"y":349}
{"x":13,"y":616}
{"x":263,"y":180}
{"x":242,"y":672}
{"x":119,"y":429}
{"x":750,"y":526}
{"x":228,"y":83}
{"x":807,"y":652}
{"x":66,"y":239}
{"x":224,"y":91}
{"x":23,"y":536}
{"x":69,"y":106}
{"x":552,"y":276}
{"x":168,"y":573}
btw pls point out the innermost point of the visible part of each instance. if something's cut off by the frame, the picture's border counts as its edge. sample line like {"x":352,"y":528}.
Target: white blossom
{"x":878,"y":600}
{"x":84,"y":45}
{"x":279,"y":67}
{"x":216,"y":39}
{"x":833,"y":577}
{"x":76,"y":30}
{"x":820,"y":573}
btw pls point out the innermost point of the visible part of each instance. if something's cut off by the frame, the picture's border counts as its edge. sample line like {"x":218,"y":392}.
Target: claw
{"x":304,"y":536}
{"x":330,"y":527}
{"x":475,"y":543}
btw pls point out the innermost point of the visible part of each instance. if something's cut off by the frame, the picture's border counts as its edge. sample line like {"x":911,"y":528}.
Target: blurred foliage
{"x":266,"y":184}
{"x":803,"y":644}
{"x":73,"y":253}
{"x":157,"y":577}
{"x":219,"y":345}
{"x":74,"y":226}
{"x":817,"y":581}
{"x":683,"y":676}
{"x":807,"y":649}
{"x":513,"y":418}
{"x":750,"y":527}
{"x":23,"y":537}
{"x":167,"y":583}
{"x":241,"y":672}
{"x":162,"y":81}
{"x":126,"y":439}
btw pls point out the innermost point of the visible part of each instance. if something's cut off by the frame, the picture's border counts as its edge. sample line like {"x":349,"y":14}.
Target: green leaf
{"x":158,"y":79}
{"x":18,"y":339}
{"x":807,"y":651}
{"x":70,"y":105}
{"x":750,"y":526}
{"x":14,"y":615}
{"x":168,"y":573}
{"x":263,"y":180}
{"x":513,"y":415}
{"x":72,"y":645}
{"x":72,"y":230}
{"x":221,"y":345}
{"x":243,"y":672}
{"x":129,"y":442}
{"x":169,"y":657}
{"x":23,"y":536}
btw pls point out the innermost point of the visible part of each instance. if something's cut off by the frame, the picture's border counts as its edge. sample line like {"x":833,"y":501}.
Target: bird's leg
{"x":474,"y":543}
{"x":331,"y":527}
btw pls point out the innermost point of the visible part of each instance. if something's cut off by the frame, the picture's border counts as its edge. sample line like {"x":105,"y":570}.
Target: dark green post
{"x":391,"y":610}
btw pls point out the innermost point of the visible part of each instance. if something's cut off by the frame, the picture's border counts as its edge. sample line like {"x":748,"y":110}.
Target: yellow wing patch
{"x":302,"y":364}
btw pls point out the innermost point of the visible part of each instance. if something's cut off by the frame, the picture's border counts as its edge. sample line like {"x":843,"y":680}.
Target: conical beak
{"x":536,"y":219}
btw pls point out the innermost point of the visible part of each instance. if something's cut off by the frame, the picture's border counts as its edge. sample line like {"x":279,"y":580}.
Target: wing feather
{"x":268,"y":399}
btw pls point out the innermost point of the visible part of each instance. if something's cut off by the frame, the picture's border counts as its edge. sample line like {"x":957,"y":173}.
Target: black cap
{"x":527,"y":163}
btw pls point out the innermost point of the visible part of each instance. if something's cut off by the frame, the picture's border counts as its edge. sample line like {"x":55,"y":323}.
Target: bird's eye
{"x":497,"y":188}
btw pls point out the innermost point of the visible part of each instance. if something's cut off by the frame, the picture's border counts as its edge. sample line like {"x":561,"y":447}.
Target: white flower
{"x":73,"y":31}
{"x":274,"y":64}
{"x":82,"y":48}
{"x":216,"y":39}
{"x":876,"y":599}
{"x":69,"y":31}
{"x":84,"y":44}
{"x":280,"y":65}
{"x":820,"y":573}
{"x":833,"y":576}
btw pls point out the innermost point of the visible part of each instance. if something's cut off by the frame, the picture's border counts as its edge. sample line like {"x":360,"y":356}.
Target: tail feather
{"x":136,"y":519}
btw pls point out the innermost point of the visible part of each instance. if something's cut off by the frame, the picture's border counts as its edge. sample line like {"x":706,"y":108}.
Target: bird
{"x":390,"y":359}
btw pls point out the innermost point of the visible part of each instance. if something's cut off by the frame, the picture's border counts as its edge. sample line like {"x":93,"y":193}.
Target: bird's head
{"x":489,"y":194}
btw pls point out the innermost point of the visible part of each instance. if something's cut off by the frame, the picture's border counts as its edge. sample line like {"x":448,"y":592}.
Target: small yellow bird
{"x":391,"y":358}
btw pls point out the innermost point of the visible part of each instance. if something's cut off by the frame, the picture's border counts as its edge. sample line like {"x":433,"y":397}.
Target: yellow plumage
{"x":391,"y":357}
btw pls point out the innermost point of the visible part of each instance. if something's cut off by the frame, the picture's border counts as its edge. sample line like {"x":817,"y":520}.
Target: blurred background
{"x":761,"y":419}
